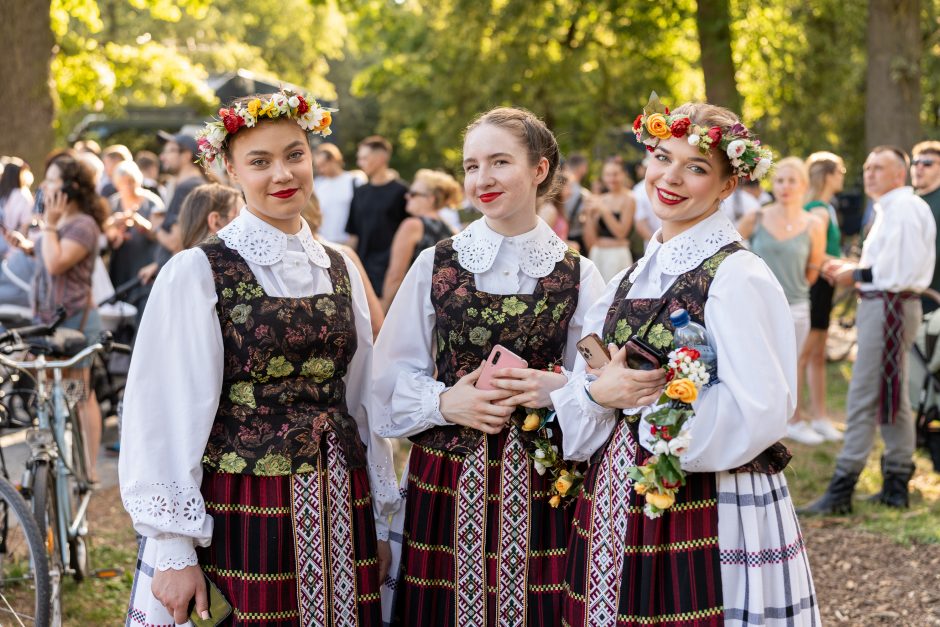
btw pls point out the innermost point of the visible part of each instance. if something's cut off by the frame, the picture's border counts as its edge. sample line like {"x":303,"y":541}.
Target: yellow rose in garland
{"x":564,"y":483}
{"x":682,"y":390}
{"x":657,"y":126}
{"x":662,"y":500}
{"x":532,"y":422}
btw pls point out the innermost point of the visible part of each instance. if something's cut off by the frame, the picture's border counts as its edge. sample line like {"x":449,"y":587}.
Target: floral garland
{"x":566,"y":479}
{"x":659,"y":478}
{"x":748,"y":157}
{"x":308,"y":113}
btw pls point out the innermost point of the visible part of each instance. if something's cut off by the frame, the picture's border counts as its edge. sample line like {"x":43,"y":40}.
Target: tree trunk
{"x":25,"y":81}
{"x":713,"y":18}
{"x":892,"y":92}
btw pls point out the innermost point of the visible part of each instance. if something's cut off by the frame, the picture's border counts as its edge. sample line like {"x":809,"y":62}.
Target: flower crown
{"x":748,"y":158}
{"x":308,"y":114}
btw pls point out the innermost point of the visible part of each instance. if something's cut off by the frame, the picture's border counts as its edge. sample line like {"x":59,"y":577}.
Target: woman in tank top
{"x":430,"y":192}
{"x":792,"y":242}
{"x":608,"y":222}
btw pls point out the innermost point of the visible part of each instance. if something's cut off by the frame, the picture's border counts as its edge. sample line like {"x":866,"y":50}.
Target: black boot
{"x":895,"y":492}
{"x":838,"y":496}
{"x":879,"y":496}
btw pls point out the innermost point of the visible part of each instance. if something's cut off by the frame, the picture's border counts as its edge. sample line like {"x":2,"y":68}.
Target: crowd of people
{"x":350,"y":306}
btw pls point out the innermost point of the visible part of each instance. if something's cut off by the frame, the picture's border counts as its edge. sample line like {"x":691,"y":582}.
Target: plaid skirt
{"x":286,"y":551}
{"x":481,"y":544}
{"x":729,"y":551}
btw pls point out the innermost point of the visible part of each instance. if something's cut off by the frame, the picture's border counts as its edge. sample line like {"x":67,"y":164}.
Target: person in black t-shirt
{"x":377,"y":208}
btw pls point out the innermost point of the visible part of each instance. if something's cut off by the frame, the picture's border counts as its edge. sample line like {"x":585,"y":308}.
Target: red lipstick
{"x":669,"y":198}
{"x":285,"y":193}
{"x":490,"y":197}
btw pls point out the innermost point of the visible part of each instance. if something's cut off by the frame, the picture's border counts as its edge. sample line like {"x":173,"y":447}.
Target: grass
{"x":812,"y":466}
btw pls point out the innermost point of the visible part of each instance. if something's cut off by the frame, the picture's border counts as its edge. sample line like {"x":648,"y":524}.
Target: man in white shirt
{"x":896,"y":266}
{"x":334,"y":188}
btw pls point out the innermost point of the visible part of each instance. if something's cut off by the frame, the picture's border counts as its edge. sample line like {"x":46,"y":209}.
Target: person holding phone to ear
{"x":734,"y":509}
{"x":505,"y":291}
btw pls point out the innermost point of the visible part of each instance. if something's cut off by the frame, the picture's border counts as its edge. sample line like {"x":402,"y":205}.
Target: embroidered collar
{"x":687,"y":250}
{"x":260,"y":243}
{"x":540,"y":249}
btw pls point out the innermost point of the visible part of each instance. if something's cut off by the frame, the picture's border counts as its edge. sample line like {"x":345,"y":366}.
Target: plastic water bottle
{"x":691,"y":334}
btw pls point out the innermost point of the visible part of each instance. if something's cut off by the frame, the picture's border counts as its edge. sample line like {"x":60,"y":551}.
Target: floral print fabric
{"x":285,"y":359}
{"x":470,"y":322}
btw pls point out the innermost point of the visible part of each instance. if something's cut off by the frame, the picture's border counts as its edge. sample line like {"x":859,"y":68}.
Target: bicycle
{"x":55,"y":480}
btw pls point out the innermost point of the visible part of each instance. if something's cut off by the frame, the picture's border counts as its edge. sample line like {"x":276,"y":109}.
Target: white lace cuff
{"x":166,"y":507}
{"x":174,"y":552}
{"x":381,"y":528}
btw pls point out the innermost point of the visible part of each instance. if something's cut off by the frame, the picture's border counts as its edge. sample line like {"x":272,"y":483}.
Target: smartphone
{"x":642,"y":356}
{"x":593,"y":350}
{"x":219,"y":607}
{"x":500,"y":357}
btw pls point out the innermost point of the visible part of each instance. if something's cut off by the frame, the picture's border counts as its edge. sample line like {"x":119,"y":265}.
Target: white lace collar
{"x":686,"y":251}
{"x":539,"y":250}
{"x":260,"y":243}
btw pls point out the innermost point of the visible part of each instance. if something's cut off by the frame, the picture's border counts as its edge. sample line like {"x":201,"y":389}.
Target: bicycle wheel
{"x":25,"y":587}
{"x":44,"y":513}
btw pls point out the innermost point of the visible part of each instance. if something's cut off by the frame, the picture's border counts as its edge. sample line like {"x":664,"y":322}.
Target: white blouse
{"x":405,"y":395}
{"x":175,"y":382}
{"x":903,"y":222}
{"x":751,"y":328}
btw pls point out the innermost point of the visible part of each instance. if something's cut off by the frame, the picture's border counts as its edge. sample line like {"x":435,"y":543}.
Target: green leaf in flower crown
{"x":654,"y":105}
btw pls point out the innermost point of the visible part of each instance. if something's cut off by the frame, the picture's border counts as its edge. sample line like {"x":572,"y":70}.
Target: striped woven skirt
{"x":286,"y":550}
{"x":481,"y":545}
{"x":729,"y":552}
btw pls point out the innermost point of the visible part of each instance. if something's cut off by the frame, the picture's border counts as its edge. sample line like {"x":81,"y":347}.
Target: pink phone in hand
{"x":500,"y":357}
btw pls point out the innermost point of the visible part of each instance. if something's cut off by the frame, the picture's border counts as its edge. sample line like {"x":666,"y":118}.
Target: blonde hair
{"x":794,"y":163}
{"x":821,"y":165}
{"x":199,"y":203}
{"x":444,"y":188}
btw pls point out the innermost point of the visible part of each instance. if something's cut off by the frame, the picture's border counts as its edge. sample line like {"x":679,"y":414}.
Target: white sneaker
{"x":801,"y":431}
{"x":826,"y":429}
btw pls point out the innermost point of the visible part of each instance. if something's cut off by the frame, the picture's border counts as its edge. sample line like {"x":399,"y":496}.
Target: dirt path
{"x":863,"y":579}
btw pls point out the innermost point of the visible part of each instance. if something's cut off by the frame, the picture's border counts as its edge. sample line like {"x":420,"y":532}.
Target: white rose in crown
{"x":760,"y":169}
{"x":736,"y":148}
{"x":694,"y":139}
{"x":216,"y":136}
{"x":293,"y":102}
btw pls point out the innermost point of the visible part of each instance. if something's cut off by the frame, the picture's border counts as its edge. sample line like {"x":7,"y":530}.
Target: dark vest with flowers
{"x":649,"y":319}
{"x":284,"y":363}
{"x":470,"y":322}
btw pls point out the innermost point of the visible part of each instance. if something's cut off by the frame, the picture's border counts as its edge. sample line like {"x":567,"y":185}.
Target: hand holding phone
{"x":500,"y":357}
{"x":466,"y":405}
{"x":593,"y":350}
{"x":642,"y":356}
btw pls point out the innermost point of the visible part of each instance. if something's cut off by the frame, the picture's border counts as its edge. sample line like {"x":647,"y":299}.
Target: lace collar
{"x":687,"y":250}
{"x":539,"y":250}
{"x":260,"y":243}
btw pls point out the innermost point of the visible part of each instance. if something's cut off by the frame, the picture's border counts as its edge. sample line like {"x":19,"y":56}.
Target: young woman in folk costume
{"x":246,"y":451}
{"x":728,"y":550}
{"x":484,"y":532}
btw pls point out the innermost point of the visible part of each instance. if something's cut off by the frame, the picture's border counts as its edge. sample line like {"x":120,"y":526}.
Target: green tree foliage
{"x":115,"y":54}
{"x":585,"y":67}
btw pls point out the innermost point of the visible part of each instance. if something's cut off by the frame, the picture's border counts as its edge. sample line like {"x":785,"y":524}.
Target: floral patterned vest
{"x":470,"y":322}
{"x":284,"y":363}
{"x":649,"y":319}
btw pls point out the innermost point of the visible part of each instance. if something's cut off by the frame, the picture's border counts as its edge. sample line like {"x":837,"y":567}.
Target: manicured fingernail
{"x":204,"y":615}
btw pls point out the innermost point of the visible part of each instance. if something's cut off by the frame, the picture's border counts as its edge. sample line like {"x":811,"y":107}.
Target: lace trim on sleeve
{"x":168,"y":507}
{"x":431,"y":402}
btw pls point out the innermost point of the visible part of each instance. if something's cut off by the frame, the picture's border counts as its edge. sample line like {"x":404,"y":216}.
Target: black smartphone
{"x":643,"y":356}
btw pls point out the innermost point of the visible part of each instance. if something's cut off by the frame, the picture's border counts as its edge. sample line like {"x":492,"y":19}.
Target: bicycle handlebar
{"x":36,"y":330}
{"x":36,"y":365}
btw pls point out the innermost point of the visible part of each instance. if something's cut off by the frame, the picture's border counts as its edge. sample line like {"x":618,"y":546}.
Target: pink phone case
{"x":500,"y":357}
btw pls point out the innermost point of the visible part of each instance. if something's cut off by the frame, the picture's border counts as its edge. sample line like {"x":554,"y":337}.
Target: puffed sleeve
{"x":405,"y":395}
{"x":585,"y":424}
{"x":592,"y":287}
{"x":170,"y":403}
{"x":385,"y":496}
{"x":748,"y":319}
